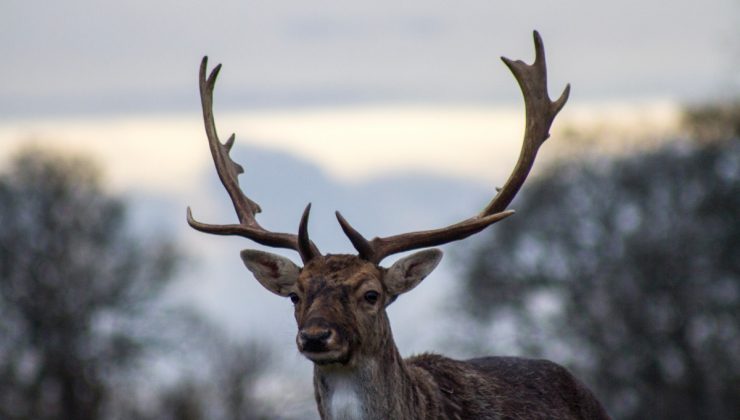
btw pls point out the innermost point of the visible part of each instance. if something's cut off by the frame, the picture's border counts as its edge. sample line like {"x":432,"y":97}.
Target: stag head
{"x":340,"y":300}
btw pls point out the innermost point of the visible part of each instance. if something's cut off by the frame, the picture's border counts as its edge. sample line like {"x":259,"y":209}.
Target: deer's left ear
{"x":409,"y":271}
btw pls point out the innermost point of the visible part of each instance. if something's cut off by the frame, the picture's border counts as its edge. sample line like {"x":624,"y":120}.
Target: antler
{"x":540,"y":113}
{"x":228,"y":171}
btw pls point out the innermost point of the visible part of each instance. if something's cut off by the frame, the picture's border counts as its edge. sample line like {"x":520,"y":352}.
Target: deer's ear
{"x":277,"y":274}
{"x":409,"y":271}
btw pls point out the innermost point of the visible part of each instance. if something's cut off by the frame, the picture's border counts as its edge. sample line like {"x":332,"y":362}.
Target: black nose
{"x":314,"y":339}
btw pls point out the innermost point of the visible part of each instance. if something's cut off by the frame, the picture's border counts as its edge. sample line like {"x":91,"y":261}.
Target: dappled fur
{"x":427,"y":386}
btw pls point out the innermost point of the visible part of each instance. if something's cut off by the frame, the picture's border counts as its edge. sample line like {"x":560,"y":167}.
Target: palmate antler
{"x":540,"y":113}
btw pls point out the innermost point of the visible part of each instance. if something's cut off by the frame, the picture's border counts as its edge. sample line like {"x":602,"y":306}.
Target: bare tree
{"x":221,"y":387}
{"x":72,"y":279}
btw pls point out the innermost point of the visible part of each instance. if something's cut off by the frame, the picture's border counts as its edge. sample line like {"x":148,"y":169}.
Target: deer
{"x":340,"y":300}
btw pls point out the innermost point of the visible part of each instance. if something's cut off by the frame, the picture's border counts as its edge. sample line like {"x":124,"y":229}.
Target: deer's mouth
{"x":327,"y":357}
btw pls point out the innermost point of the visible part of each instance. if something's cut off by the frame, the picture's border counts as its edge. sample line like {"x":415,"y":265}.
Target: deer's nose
{"x":314,"y":339}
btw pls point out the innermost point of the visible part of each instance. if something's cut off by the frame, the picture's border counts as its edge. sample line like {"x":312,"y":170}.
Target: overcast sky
{"x":136,"y":56}
{"x":415,"y":73}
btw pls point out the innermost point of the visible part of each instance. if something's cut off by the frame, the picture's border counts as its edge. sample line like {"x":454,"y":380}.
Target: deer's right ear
{"x":277,"y":274}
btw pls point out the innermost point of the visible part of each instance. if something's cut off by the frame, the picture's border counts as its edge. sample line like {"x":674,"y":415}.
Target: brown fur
{"x":428,"y":386}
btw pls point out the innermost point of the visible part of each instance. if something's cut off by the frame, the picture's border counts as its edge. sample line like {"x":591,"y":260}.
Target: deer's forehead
{"x":347,"y":272}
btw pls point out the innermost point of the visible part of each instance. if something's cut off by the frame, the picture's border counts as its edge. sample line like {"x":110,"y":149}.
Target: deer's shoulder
{"x":507,"y":387}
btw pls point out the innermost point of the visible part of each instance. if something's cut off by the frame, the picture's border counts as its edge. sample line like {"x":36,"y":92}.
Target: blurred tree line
{"x":627,"y":269}
{"x":81,"y":319}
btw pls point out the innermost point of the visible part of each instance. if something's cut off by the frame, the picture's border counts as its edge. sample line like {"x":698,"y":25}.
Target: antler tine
{"x":540,"y":113}
{"x":364,"y":248}
{"x":306,"y":248}
{"x":228,"y":172}
{"x":378,"y":248}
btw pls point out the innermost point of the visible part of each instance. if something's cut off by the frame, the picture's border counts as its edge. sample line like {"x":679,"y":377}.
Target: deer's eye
{"x":294,"y":298}
{"x":371,"y":297}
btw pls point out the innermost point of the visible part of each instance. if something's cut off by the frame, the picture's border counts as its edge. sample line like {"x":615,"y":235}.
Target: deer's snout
{"x":315,"y":338}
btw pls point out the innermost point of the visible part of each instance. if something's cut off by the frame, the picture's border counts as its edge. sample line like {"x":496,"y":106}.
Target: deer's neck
{"x":371,"y":388}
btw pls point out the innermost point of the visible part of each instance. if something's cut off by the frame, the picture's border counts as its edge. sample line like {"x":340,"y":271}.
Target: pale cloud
{"x":349,"y":143}
{"x":146,"y":153}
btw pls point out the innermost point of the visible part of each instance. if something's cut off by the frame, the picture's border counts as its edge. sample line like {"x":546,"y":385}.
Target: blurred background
{"x":622,"y":263}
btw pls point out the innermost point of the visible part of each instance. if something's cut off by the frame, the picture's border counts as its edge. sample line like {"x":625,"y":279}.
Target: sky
{"x":360,"y":88}
{"x":85,"y":56}
{"x":360,"y":95}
